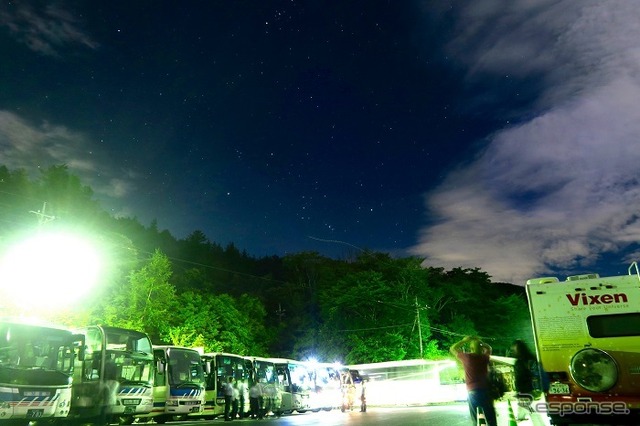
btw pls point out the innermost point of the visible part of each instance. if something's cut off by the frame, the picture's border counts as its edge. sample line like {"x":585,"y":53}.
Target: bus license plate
{"x":195,"y":410}
{"x":558,"y":389}
{"x":32,"y":414}
{"x":130,"y":402}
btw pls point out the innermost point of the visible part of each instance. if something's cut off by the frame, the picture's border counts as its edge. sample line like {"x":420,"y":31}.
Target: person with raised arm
{"x":475,"y":362}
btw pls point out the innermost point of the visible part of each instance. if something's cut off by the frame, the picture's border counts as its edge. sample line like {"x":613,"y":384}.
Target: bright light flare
{"x":49,"y":271}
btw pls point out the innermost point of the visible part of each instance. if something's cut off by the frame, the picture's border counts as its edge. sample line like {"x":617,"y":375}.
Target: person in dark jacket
{"x":523,"y":377}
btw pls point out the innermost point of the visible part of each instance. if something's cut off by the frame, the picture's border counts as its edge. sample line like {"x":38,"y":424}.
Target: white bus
{"x":218,"y":367}
{"x":264,"y":371}
{"x":328,"y":386}
{"x":587,"y":337}
{"x":178,"y":388}
{"x":113,"y":381}
{"x":36,"y":366}
{"x":298,"y":387}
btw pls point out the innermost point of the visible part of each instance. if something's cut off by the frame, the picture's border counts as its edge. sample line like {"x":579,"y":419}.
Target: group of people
{"x":232,"y":396}
{"x":259,"y":400}
{"x":476,"y":363}
{"x":349,"y":392}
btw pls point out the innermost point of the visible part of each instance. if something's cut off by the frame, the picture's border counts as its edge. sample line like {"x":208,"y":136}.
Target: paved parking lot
{"x":507,"y":411}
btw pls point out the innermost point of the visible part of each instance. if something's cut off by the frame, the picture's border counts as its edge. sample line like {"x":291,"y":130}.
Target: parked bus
{"x":218,"y":368}
{"x":328,"y":393}
{"x":264,"y":371}
{"x":178,"y":388}
{"x":36,"y":366}
{"x":297,"y":385}
{"x":113,"y":381}
{"x":587,"y":330}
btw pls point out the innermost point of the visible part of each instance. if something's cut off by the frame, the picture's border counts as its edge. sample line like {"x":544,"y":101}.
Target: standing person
{"x":235,"y":400}
{"x":241,"y":386}
{"x":363,"y":397}
{"x":255,"y":395}
{"x":523,"y":377}
{"x":228,"y":398}
{"x":268,"y":399}
{"x":476,"y":373}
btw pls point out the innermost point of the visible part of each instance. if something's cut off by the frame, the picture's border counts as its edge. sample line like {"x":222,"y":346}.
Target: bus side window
{"x":283,"y":379}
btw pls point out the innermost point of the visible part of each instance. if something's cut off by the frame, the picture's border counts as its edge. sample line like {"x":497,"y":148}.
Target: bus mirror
{"x":80,"y":347}
{"x":207,"y":367}
{"x":160,"y":367}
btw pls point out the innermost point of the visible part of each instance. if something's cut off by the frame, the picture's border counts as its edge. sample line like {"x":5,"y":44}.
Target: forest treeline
{"x":370,"y":307}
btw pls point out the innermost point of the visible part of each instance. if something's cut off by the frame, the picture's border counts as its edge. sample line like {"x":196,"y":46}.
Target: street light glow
{"x":49,"y":271}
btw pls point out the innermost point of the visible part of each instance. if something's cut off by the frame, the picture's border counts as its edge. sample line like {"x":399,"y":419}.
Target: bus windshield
{"x":327,"y":377}
{"x":127,"y":340}
{"x":127,"y":368}
{"x":34,"y":347}
{"x":265,"y":371}
{"x":230,"y":366}
{"x":300,"y":378}
{"x":185,"y":367}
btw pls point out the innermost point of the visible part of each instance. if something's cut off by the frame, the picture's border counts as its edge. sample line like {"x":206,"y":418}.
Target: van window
{"x":619,"y":325}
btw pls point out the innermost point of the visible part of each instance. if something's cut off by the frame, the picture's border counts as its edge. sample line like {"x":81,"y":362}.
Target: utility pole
{"x":419,"y":328}
{"x":280,"y":312}
{"x":42,"y":216}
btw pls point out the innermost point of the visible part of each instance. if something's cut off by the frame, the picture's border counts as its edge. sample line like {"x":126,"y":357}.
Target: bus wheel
{"x":160,"y":420}
{"x":101,"y":420}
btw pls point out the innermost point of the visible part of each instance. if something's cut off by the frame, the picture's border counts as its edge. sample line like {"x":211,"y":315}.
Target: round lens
{"x":594,"y":370}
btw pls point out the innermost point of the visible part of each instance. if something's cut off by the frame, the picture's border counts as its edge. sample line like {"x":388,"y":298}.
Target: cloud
{"x":24,"y":145}
{"x":45,"y":30}
{"x":558,"y":191}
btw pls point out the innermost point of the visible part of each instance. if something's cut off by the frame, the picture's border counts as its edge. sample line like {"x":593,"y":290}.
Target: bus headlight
{"x":594,"y":370}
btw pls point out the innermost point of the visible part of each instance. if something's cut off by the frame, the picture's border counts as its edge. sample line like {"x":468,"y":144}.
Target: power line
{"x":218,"y":268}
{"x":26,"y":197}
{"x":377,"y":328}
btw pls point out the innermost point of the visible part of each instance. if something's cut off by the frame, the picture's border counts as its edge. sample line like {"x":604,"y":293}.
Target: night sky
{"x":502,"y":135}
